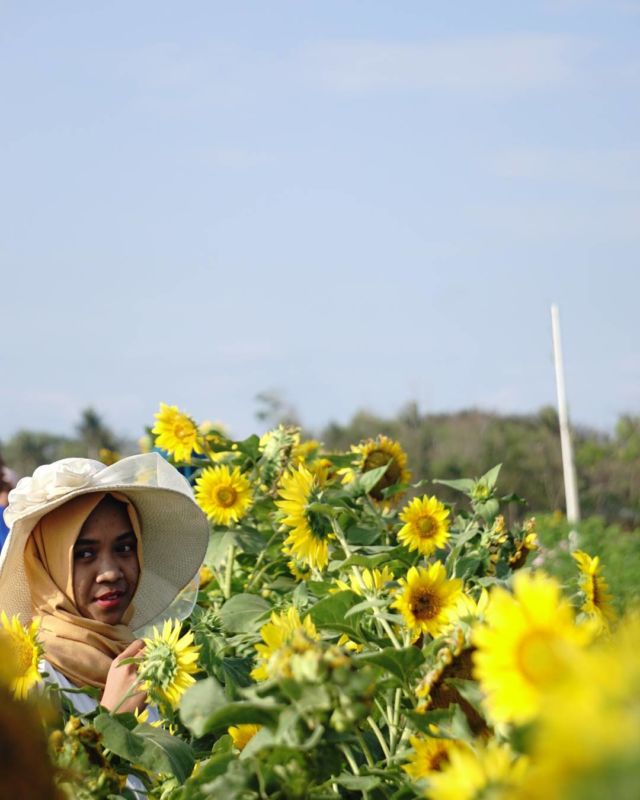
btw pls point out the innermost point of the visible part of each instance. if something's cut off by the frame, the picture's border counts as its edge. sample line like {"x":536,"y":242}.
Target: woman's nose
{"x":108,"y":571}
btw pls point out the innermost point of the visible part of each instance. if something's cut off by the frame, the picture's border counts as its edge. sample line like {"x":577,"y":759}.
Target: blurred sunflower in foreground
{"x":20,"y":654}
{"x":529,"y":640}
{"x":478,"y":773}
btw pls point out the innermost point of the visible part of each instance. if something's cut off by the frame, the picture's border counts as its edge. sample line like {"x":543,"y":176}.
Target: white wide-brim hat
{"x":174,"y":530}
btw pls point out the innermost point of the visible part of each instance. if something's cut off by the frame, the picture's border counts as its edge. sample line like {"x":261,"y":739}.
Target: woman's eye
{"x":82,"y":554}
{"x":127,"y":548}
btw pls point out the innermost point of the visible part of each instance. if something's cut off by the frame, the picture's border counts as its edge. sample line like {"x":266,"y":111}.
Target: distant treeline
{"x":468,"y":443}
{"x":463,"y":444}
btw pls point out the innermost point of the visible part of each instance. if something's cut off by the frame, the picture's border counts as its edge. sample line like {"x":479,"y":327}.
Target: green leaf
{"x":470,"y":690}
{"x":363,"y":605}
{"x":218,"y":548}
{"x":452,"y":722}
{"x":364,"y":483}
{"x":362,"y":536}
{"x":400,"y":663}
{"x":340,"y":459}
{"x":460,"y":485}
{"x":466,"y":566}
{"x":205,"y":708}
{"x":243,"y":613}
{"x":243,"y":713}
{"x":153,"y":748}
{"x":372,"y":561}
{"x":490,"y":477}
{"x":250,"y":447}
{"x":237,"y":670}
{"x":199,"y":702}
{"x":358,"y":783}
{"x":249,"y":540}
{"x":330,"y":612}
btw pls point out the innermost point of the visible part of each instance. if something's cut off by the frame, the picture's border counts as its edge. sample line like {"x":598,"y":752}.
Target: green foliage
{"x":453,"y":446}
{"x":618,"y":549}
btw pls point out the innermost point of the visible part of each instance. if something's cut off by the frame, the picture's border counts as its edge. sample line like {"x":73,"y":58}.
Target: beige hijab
{"x":79,"y":647}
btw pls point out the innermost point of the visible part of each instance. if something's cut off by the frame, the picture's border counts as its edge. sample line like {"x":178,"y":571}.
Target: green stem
{"x":339,"y":533}
{"x":393,"y":730}
{"x":349,"y":756}
{"x":259,"y":561}
{"x":228,"y":573}
{"x":365,"y":748}
{"x":387,"y":628}
{"x":383,"y":743}
{"x":356,"y":571}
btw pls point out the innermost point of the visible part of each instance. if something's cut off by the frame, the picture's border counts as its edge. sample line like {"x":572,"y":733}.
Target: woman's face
{"x":105,"y":563}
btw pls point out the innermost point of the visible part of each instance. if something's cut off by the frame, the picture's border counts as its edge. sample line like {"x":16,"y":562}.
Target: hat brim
{"x":174,"y":533}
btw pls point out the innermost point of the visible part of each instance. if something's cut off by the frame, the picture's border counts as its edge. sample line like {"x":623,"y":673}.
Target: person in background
{"x":8,"y":480}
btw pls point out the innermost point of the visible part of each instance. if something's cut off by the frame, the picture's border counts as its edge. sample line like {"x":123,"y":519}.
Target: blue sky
{"x":356,"y":204}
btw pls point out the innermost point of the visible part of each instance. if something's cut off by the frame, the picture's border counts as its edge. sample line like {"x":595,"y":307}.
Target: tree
{"x":94,"y":434}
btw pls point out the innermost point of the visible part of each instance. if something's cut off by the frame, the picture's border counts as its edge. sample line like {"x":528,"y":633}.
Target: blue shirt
{"x":4,"y":531}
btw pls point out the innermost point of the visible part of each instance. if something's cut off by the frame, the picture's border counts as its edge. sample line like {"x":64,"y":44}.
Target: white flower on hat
{"x":49,"y":482}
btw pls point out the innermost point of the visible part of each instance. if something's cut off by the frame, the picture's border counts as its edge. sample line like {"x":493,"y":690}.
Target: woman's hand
{"x":121,"y":678}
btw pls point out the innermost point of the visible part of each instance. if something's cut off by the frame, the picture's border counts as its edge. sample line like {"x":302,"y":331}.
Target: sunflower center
{"x":426,"y":527}
{"x":538,"y":658}
{"x":22,"y":656}
{"x":380,"y":458}
{"x":437,"y":759}
{"x":595,"y":595}
{"x":226,"y":496}
{"x":425,"y":605}
{"x":181,"y":431}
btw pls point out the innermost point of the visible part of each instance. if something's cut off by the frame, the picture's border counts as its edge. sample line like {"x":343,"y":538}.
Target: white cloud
{"x":513,"y":62}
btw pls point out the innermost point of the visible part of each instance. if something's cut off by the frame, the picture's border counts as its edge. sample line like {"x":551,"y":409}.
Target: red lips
{"x":110,"y":599}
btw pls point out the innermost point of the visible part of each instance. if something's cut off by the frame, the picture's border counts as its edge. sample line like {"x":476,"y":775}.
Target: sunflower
{"x":20,"y":653}
{"x":223,"y":494}
{"x":242,"y":734}
{"x":299,"y":570}
{"x":305,"y":452}
{"x":527,"y":643}
{"x":493,"y":771}
{"x":310,"y":531}
{"x":429,"y":755}
{"x":375,"y":453}
{"x":429,"y":600}
{"x":176,"y":433}
{"x":370,"y":581}
{"x":426,"y":527}
{"x":205,"y":575}
{"x":596,"y":591}
{"x":283,"y":636}
{"x":587,"y":737}
{"x":169,"y":663}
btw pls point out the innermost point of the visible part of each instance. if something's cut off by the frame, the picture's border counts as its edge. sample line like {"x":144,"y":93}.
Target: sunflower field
{"x":353,"y":637}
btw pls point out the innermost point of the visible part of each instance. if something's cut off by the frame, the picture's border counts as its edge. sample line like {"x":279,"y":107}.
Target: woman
{"x":99,"y":553}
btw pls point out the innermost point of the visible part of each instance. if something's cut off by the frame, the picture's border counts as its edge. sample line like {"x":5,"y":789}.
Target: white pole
{"x":568,"y":467}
